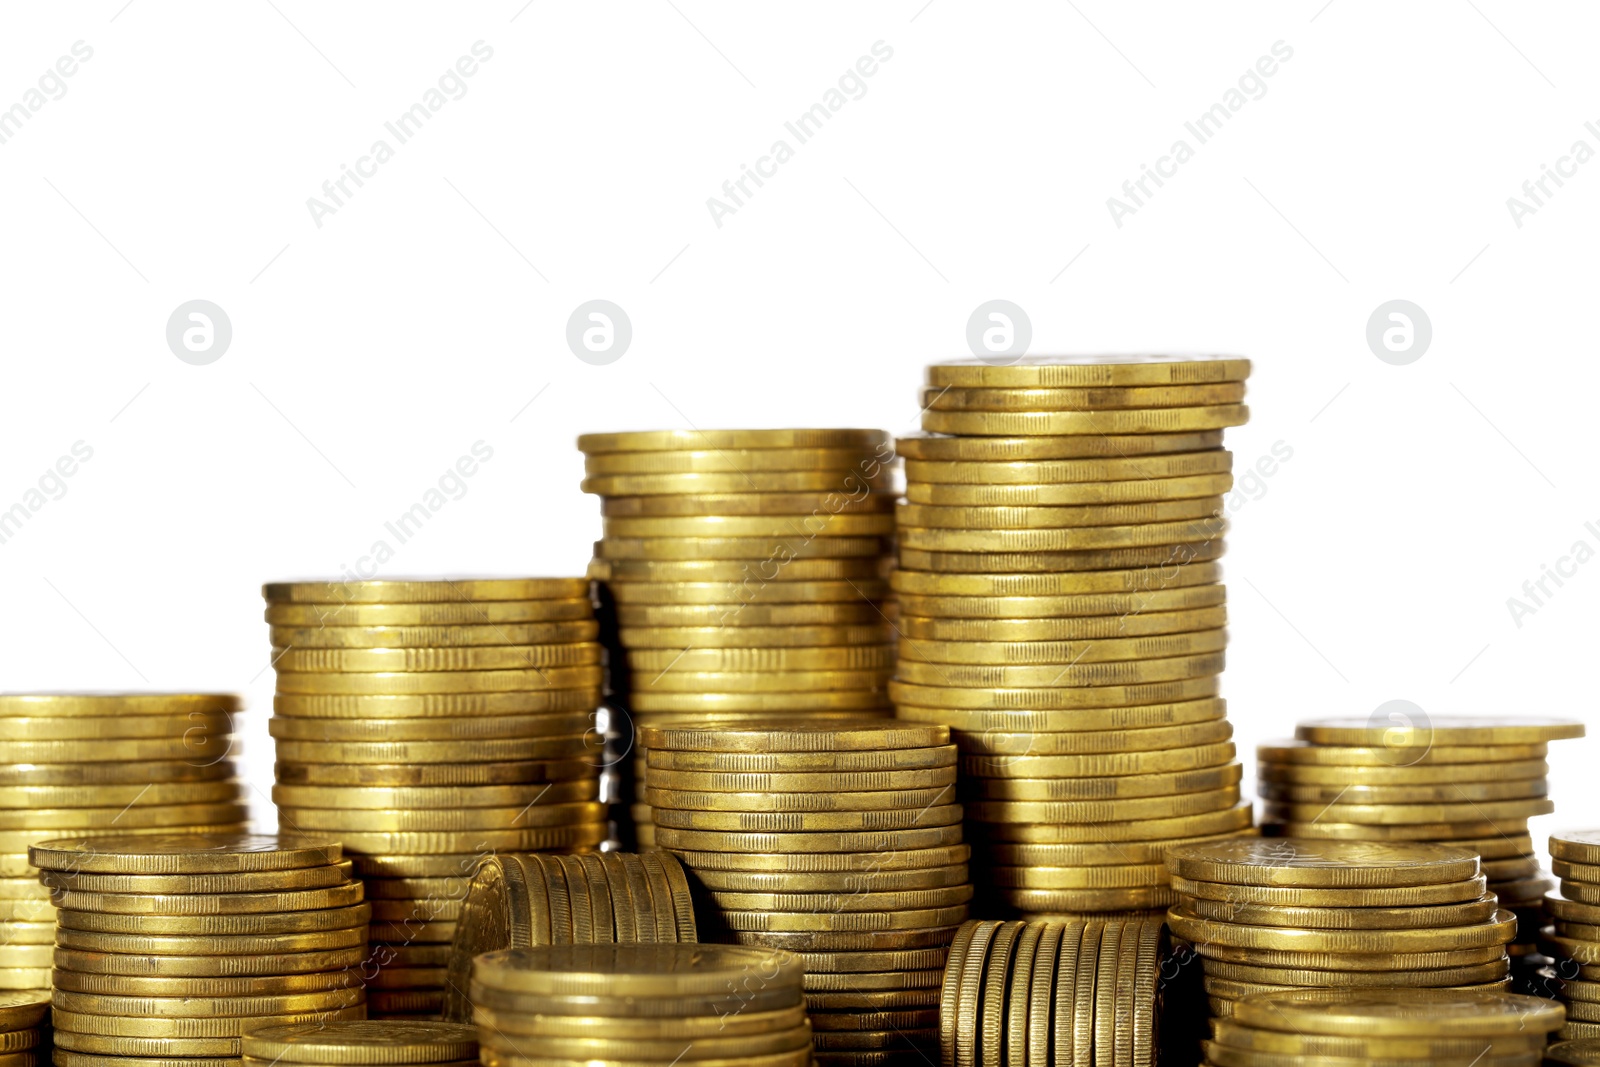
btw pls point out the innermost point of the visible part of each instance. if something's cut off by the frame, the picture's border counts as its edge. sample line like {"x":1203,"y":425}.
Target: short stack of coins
{"x":1470,"y":782}
{"x":75,"y":763}
{"x":1392,"y":1027}
{"x":839,"y":841}
{"x":1270,"y":915}
{"x":518,"y":901}
{"x":169,"y":949}
{"x":1572,"y":938}
{"x":640,"y":1005}
{"x":25,"y":1028}
{"x":1054,"y":992}
{"x":1061,"y":611}
{"x":426,"y":724}
{"x":360,"y":1043}
{"x":742,"y":574}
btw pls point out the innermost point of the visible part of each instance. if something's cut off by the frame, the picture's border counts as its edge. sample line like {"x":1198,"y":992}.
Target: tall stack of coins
{"x":645,"y":1005}
{"x":168,"y":948}
{"x":742,"y":572}
{"x":391,"y":1043}
{"x":839,"y":841}
{"x":1061,"y":611}
{"x":1427,"y":1027}
{"x":71,"y":763}
{"x":1271,"y":915}
{"x":1458,"y":780}
{"x":426,"y":724}
{"x":25,"y":1028}
{"x":517,"y":901}
{"x":1080,"y":992}
{"x":1573,"y":937}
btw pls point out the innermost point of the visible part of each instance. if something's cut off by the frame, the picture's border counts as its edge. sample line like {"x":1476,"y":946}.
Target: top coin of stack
{"x":744,"y":570}
{"x":641,"y":1005}
{"x":1393,"y":1027}
{"x":1573,"y":938}
{"x":1472,"y":782}
{"x":171,"y":947}
{"x":72,"y":763}
{"x":392,"y":1043}
{"x":426,"y":724}
{"x":1061,"y":611}
{"x":25,"y":1028}
{"x":1267,"y":915}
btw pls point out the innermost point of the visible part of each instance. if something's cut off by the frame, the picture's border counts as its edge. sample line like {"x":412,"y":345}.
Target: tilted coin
{"x":1323,"y":864}
{"x":182,"y":854}
{"x":209,"y":903}
{"x":289,"y":922}
{"x":332,"y":874}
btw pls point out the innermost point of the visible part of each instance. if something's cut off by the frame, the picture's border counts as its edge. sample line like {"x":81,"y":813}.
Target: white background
{"x":429,"y":311}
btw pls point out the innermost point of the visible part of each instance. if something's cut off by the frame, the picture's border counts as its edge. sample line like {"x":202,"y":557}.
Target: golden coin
{"x":1189,"y":926}
{"x":464,"y":681}
{"x":55,"y":821}
{"x":931,"y":583}
{"x":96,"y":796}
{"x":472,"y":658}
{"x":1347,"y":918}
{"x":392,"y":1041}
{"x":1202,"y":752}
{"x":728,"y":460}
{"x":432,"y":798}
{"x":1069,"y":470}
{"x":1444,"y":832}
{"x":1041,"y":698}
{"x":1124,"y":421}
{"x":112,"y":705}
{"x":789,"y":545}
{"x":793,"y":903}
{"x":1411,"y":755}
{"x":1321,"y":864}
{"x":826,"y":502}
{"x":887,"y":759}
{"x":532,"y":839}
{"x":289,"y":922}
{"x":768,"y":660}
{"x":195,"y":903}
{"x":1442,"y":730}
{"x":1019,"y":732}
{"x":391,"y":637}
{"x":1434,"y":976}
{"x":826,"y":614}
{"x":1125,"y":672}
{"x":667,"y":440}
{"x":1109,"y":559}
{"x":1065,"y":539}
{"x":1078,"y":1013}
{"x":459,"y":729}
{"x":1105,"y":877}
{"x":203,"y":966}
{"x":182,"y":854}
{"x":861,"y":700}
{"x":680,"y":638}
{"x":843,"y":484}
{"x":918,"y":858}
{"x":90,"y":729}
{"x":332,"y":874}
{"x":892,"y":803}
{"x":1028,"y":607}
{"x":1201,"y":824}
{"x":209,"y":1006}
{"x":440,"y":613}
{"x":798,"y":821}
{"x":1075,"y":904}
{"x":789,"y":736}
{"x":1408,"y":814}
{"x":816,"y":523}
{"x":200,"y":945}
{"x":685,"y":1029}
{"x":1573,"y":1053}
{"x":430,"y":775}
{"x":173,"y":1027}
{"x":950,"y":494}
{"x":1401,"y":1013}
{"x":817,"y":782}
{"x":1085,"y":371}
{"x":157,"y":772}
{"x":1120,"y":787}
{"x":936,"y":517}
{"x":1462,"y":792}
{"x":425,"y":592}
{"x":938,"y":448}
{"x":1316,"y":897}
{"x":1575,"y":872}
{"x":1426,"y":774}
{"x":437,"y":705}
{"x":607,"y":972}
{"x":22,"y":1011}
{"x":1075,"y":628}
{"x":1102,"y":854}
{"x":679,"y":840}
{"x":495,"y":750}
{"x":199,"y":746}
{"x":1576,"y":846}
{"x":869,"y":881}
{"x":1082,"y":398}
{"x":685,"y":681}
{"x":1231,"y":1034}
{"x":1096,"y":811}
{"x":513,"y":817}
{"x":748,"y":592}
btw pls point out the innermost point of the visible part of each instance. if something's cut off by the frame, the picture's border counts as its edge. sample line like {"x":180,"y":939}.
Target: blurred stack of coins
{"x":168,"y":948}
{"x":641,"y":1005}
{"x":25,"y":1028}
{"x":359,"y":1043}
{"x":518,"y":901}
{"x":1060,"y":610}
{"x":1392,"y":1027}
{"x":1268,"y":915}
{"x":1401,"y":775}
{"x":1080,"y":992}
{"x":741,"y":574}
{"x":838,"y":841}
{"x":136,"y":763}
{"x":1572,"y":939}
{"x":426,"y":724}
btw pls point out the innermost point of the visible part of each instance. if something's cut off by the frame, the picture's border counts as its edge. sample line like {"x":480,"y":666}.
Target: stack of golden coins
{"x":742,"y":574}
{"x":359,"y":1043}
{"x":170,"y":947}
{"x":1054,"y":992}
{"x":73,"y":763}
{"x":1426,"y":1027}
{"x":517,"y":901}
{"x":839,"y":841}
{"x":1268,"y":915}
{"x":1471,"y":782}
{"x":426,"y":724}
{"x":1572,"y":939}
{"x":1061,"y":611}
{"x":642,"y":1005}
{"x":25,"y":1028}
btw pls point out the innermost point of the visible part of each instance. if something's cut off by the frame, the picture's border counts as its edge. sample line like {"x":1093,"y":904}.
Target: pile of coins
{"x":1060,"y":610}
{"x":391,"y":1043}
{"x":1080,"y":992}
{"x":838,"y":841}
{"x":136,"y":763}
{"x":1572,"y":939}
{"x":25,"y":1028}
{"x":1392,"y":1027}
{"x":640,"y":1005}
{"x":1269,"y":915}
{"x":517,"y":901}
{"x":742,"y":573}
{"x":170,"y":948}
{"x":426,"y":724}
{"x":1458,"y":780}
